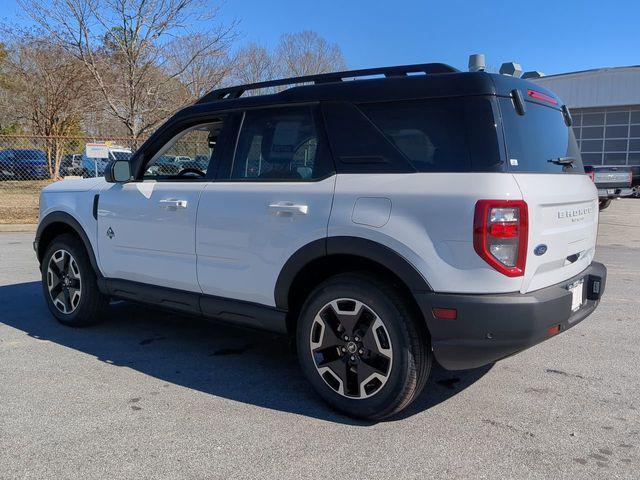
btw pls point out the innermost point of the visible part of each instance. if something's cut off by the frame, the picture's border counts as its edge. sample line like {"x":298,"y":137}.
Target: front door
{"x":272,"y":199}
{"x":146,"y":228}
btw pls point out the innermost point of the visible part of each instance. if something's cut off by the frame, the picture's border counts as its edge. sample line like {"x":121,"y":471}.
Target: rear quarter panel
{"x":430,"y":223}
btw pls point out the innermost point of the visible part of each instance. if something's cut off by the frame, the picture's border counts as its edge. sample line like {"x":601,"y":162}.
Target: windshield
{"x":539,"y":141}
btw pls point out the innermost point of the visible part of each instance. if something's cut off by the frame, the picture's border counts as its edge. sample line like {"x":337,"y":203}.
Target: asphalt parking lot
{"x":155,"y":395}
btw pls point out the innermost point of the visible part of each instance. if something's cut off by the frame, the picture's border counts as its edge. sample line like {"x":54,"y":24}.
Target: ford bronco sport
{"x":384,"y":218}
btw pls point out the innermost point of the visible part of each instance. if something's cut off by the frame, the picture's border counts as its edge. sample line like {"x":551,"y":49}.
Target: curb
{"x":29,"y":228}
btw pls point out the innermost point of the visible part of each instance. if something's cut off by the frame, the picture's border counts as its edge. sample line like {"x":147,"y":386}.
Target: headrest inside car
{"x":279,"y":141}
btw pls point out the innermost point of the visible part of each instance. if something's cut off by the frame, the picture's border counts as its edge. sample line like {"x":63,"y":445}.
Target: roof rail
{"x":397,"y":71}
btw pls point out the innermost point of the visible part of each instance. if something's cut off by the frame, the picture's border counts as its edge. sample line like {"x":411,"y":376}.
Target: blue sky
{"x":554,"y":37}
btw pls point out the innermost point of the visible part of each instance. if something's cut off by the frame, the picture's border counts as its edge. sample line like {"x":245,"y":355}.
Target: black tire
{"x":409,"y":347}
{"x":604,"y":204}
{"x":91,"y":303}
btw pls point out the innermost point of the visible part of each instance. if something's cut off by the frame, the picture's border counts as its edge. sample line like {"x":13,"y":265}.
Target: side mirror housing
{"x":118,"y":171}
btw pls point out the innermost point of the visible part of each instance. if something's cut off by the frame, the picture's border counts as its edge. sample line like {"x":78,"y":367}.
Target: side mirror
{"x":118,"y":171}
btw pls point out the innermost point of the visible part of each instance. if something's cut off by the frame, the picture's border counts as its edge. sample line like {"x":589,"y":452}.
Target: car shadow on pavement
{"x":242,"y":365}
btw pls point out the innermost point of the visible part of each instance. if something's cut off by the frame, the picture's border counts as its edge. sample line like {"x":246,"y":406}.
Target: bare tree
{"x":123,"y":45}
{"x":254,"y":63}
{"x":307,"y":53}
{"x":49,"y":92}
{"x":198,"y":73}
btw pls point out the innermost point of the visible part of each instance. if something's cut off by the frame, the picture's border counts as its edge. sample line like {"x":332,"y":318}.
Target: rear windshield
{"x":441,"y":135}
{"x":538,"y":138}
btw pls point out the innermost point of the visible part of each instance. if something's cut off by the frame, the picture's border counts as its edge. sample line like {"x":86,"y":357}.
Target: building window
{"x":608,"y":136}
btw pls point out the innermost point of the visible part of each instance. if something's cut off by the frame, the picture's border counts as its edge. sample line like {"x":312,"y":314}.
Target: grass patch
{"x":19,"y":200}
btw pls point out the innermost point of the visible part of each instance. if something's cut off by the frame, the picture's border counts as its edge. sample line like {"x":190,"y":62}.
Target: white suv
{"x":381,"y":222}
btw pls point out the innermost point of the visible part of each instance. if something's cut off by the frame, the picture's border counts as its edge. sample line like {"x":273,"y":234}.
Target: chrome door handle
{"x":287,"y":209}
{"x":172,"y":204}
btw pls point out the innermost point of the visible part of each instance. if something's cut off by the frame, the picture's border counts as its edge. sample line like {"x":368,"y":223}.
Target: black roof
{"x":404,"y":82}
{"x":395,"y":83}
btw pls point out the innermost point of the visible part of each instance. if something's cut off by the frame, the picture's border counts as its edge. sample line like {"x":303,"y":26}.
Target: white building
{"x":605,"y":105}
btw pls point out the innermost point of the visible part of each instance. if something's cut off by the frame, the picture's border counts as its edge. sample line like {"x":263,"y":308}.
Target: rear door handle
{"x":287,"y":209}
{"x":172,"y":204}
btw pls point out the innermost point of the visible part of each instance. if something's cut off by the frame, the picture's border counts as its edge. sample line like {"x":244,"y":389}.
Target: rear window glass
{"x":441,"y":135}
{"x":538,"y":137}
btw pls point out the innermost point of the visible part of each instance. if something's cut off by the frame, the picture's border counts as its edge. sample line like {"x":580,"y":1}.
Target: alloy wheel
{"x":64,"y":281}
{"x":351,"y":348}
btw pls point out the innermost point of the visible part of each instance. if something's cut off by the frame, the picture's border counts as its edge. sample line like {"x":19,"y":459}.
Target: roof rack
{"x":397,"y":71}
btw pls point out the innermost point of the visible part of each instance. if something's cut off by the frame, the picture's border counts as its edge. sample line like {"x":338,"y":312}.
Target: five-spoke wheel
{"x":64,"y":281}
{"x":351,"y":348}
{"x":361,"y":346}
{"x":69,"y":282}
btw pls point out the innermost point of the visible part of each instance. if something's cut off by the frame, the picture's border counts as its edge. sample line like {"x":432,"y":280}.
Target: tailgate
{"x":563,"y":216}
{"x":612,"y":179}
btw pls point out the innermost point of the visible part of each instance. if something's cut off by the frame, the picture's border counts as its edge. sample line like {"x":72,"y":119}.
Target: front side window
{"x":279,"y":144}
{"x":186,"y":156}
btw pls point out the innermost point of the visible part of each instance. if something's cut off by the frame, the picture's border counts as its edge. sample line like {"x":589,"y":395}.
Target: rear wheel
{"x":604,"y":203}
{"x":69,"y":283}
{"x":361,"y":348}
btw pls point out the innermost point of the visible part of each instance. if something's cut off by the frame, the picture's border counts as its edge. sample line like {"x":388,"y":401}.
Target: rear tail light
{"x":592,"y":176}
{"x":500,"y":231}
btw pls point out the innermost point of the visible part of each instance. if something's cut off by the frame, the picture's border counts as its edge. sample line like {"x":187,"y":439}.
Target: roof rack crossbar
{"x":388,"y":72}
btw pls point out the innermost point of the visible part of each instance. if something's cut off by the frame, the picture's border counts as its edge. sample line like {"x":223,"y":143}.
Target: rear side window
{"x":441,"y":135}
{"x":537,"y":138}
{"x":280,"y":144}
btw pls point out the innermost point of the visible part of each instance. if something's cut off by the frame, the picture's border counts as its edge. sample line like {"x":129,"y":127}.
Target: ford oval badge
{"x":540,"y":249}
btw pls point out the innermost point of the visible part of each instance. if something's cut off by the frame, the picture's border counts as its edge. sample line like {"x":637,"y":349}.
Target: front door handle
{"x":172,"y":204}
{"x":287,"y":209}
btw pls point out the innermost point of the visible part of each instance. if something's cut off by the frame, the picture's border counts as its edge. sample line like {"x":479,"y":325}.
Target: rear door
{"x":562,"y":201}
{"x":273,"y":198}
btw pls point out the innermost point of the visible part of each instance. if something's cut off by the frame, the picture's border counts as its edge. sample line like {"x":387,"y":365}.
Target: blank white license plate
{"x":576,"y":294}
{"x":611,"y":191}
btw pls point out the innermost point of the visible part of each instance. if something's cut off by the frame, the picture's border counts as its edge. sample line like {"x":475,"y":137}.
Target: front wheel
{"x":69,"y":283}
{"x":361,"y":347}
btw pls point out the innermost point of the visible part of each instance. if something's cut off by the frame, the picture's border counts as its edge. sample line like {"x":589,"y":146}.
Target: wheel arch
{"x":320,"y":259}
{"x":58,"y":223}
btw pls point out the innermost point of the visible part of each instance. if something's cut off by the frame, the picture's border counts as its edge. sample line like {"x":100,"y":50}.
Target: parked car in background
{"x":94,"y":167}
{"x":612,"y":182}
{"x":23,"y":164}
{"x":200,"y":162}
{"x":635,"y":181}
{"x":71,"y":165}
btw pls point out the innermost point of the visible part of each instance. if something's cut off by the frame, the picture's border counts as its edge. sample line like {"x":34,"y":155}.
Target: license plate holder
{"x":577,"y":294}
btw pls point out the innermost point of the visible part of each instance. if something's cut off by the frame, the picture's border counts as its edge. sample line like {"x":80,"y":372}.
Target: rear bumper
{"x":614,"y":192}
{"x":492,"y":327}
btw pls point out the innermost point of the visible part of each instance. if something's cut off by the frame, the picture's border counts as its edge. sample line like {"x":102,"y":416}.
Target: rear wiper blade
{"x":562,"y":160}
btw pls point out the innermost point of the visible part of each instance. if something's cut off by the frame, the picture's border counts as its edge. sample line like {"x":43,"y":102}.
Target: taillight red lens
{"x":500,"y":231}
{"x":592,"y":176}
{"x":542,"y":97}
{"x":503,"y":230}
